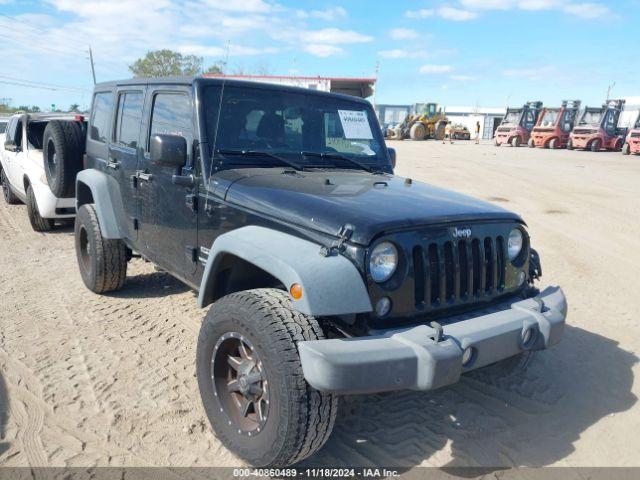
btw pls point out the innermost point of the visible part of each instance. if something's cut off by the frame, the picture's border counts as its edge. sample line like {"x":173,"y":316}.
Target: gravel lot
{"x":89,"y":380}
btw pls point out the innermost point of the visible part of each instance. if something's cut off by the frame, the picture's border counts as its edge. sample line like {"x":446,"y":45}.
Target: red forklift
{"x":554,"y":126}
{"x":632,"y":145}
{"x":517,"y":124}
{"x":598,"y":128}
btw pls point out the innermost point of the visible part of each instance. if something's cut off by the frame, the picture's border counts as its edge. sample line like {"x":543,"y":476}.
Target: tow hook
{"x":437,"y":336}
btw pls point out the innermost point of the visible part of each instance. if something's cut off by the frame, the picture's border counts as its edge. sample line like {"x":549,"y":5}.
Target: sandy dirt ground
{"x":109,"y":380}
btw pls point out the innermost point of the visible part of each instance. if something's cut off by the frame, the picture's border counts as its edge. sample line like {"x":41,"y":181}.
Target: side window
{"x":171,"y":115}
{"x":3,"y":127}
{"x":101,"y":116}
{"x":529,"y":120}
{"x":128,"y":119}
{"x":610,"y":124}
{"x":17,"y":137}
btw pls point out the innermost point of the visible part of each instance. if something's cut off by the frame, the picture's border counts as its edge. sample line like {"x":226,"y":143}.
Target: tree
{"x":74,"y":107}
{"x":215,"y":69}
{"x":166,"y":63}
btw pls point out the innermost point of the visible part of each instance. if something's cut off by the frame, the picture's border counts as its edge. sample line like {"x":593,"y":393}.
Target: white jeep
{"x":42,"y":155}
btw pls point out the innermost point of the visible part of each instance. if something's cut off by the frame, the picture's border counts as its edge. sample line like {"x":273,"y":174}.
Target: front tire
{"x":251,"y":381}
{"x":7,"y":193}
{"x":102,"y":262}
{"x":531,"y":143}
{"x":38,"y":223}
{"x":418,"y":132}
{"x":595,"y":145}
{"x":515,"y":141}
{"x":553,"y":143}
{"x":570,"y":144}
{"x":626,"y":149}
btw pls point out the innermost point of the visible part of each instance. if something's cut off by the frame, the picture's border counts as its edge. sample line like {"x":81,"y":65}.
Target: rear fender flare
{"x":331,"y":285}
{"x":93,"y":186}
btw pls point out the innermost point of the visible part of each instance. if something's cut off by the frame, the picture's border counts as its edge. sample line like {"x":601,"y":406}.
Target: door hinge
{"x":192,"y":202}
{"x":134,"y":181}
{"x":192,"y":253}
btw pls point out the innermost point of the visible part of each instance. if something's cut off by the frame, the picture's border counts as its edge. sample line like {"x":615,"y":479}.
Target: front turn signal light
{"x":296,"y":291}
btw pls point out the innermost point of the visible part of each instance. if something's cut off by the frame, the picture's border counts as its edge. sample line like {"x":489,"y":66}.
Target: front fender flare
{"x":107,"y":205}
{"x":330,"y":285}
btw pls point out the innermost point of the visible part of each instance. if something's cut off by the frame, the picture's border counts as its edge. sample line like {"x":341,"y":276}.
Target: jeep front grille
{"x":459,"y":271}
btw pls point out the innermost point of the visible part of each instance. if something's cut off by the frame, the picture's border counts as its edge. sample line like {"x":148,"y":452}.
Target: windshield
{"x":591,"y":118}
{"x":294,"y":126}
{"x":512,"y":118}
{"x":549,"y":118}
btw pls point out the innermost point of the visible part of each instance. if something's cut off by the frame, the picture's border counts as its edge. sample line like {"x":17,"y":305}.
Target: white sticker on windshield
{"x":355,"y":124}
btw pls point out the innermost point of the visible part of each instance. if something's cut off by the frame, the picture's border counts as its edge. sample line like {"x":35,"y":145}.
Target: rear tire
{"x":595,"y":145}
{"x":295,"y":420}
{"x":38,"y":223}
{"x":102,"y":262}
{"x":531,"y":143}
{"x":62,"y":152}
{"x":515,"y":141}
{"x":418,"y":132}
{"x":7,"y":193}
{"x":626,"y":149}
{"x":553,"y":143}
{"x":440,"y":129}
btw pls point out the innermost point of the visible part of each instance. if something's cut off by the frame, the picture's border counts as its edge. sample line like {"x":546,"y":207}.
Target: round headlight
{"x":383,"y":261}
{"x":516,"y":241}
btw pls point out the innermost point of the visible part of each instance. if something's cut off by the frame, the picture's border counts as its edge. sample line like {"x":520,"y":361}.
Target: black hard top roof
{"x":189,"y":80}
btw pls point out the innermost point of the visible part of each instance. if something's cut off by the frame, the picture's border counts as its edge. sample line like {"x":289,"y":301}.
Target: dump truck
{"x":598,"y":128}
{"x":426,"y":122}
{"x":555,"y":125}
{"x":517,"y":124}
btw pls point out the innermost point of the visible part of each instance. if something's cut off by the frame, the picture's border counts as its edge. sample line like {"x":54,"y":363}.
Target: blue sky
{"x":459,"y":52}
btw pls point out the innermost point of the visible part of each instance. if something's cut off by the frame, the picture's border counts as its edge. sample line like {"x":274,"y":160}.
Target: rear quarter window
{"x":101,"y":114}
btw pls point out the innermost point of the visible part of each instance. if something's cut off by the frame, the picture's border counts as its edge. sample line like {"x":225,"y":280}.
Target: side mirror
{"x":392,"y":157}
{"x":10,"y":146}
{"x":170,"y":150}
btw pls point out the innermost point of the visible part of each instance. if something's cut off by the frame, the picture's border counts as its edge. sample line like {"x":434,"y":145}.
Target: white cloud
{"x":329,"y":14}
{"x":217,"y":51}
{"x":456,"y":14}
{"x":462,"y":78}
{"x":402,"y":53}
{"x":422,"y":13}
{"x":403,"y":34}
{"x":435,"y":69}
{"x":333,"y":36}
{"x":588,"y":11}
{"x":448,"y":13}
{"x":322,"y":50}
{"x":252,"y":6}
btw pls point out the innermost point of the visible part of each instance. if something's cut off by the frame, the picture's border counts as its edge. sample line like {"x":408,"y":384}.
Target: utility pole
{"x":93,"y":68}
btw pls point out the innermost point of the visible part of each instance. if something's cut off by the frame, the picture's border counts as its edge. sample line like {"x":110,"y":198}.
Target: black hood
{"x":373,"y":204}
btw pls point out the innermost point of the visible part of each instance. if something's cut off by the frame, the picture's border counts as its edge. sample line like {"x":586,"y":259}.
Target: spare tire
{"x":62,"y":152}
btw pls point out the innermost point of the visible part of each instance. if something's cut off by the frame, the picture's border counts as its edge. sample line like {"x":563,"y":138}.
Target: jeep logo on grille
{"x":461,"y":232}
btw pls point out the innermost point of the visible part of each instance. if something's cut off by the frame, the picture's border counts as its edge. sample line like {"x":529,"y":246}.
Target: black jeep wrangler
{"x":325,"y":273}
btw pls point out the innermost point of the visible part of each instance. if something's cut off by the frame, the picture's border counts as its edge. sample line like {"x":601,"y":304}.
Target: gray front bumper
{"x":409,"y":359}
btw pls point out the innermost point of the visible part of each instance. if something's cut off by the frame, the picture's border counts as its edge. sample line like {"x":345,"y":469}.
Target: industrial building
{"x":358,"y":87}
{"x":489,"y":118}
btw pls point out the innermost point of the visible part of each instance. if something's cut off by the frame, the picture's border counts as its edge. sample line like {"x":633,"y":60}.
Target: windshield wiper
{"x":337,"y":156}
{"x":256,"y":153}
